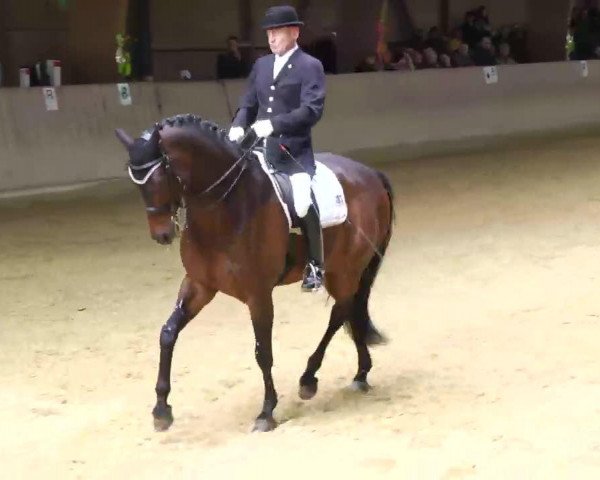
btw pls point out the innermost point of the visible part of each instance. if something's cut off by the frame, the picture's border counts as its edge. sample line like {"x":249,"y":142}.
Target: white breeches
{"x":301,"y":184}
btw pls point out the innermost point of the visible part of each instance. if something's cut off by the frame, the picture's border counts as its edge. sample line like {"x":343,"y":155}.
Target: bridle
{"x":164,"y":161}
{"x":152,"y":167}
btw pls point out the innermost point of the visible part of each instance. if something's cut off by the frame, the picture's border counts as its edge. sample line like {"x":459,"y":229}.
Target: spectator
{"x":470,"y":34}
{"x":445,"y":61}
{"x":462,"y":58}
{"x":484,"y":54}
{"x":502,"y":35}
{"x":482,"y":29}
{"x":431,"y":58}
{"x":435,"y":40}
{"x":504,"y":57}
{"x":417,"y":42}
{"x":230,"y":63}
{"x":401,"y":60}
{"x":517,"y":39}
{"x":583,"y":36}
{"x":416,"y":58}
{"x":324,"y":48}
{"x":456,"y":38}
{"x":481,"y":14}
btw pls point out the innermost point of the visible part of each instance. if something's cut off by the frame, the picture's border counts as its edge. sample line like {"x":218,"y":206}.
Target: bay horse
{"x":237,"y":241}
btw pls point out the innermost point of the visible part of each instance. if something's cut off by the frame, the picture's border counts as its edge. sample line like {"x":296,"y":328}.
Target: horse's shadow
{"x":397,"y":391}
{"x":393,"y":396}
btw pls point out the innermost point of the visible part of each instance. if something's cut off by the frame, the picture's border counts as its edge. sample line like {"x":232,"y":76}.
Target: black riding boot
{"x":311,"y":229}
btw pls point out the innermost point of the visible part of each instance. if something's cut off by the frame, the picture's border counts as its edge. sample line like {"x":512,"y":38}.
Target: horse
{"x":236,"y":240}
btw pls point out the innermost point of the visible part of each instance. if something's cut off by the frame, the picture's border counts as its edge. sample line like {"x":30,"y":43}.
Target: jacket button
{"x":270,"y":99}
{"x":272,"y":87}
{"x":269,"y":110}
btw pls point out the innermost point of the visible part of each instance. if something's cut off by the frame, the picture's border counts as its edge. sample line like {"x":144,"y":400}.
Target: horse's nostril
{"x":161,"y":238}
{"x":165,"y":238}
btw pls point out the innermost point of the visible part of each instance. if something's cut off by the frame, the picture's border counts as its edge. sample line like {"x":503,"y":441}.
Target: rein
{"x":234,"y":183}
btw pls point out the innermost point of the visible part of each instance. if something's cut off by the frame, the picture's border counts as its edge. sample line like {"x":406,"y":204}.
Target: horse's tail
{"x":362,"y":323}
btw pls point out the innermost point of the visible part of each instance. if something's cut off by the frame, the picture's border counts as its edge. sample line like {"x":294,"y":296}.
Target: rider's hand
{"x":263,"y":128}
{"x":236,"y":133}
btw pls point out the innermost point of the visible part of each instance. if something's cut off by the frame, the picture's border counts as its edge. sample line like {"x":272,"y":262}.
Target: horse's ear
{"x":124,"y":138}
{"x":155,"y":137}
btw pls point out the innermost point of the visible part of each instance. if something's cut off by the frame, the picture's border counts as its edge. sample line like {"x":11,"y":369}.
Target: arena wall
{"x":377,"y":115}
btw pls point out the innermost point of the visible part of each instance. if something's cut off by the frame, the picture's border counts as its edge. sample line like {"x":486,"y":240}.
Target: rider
{"x":284,"y":99}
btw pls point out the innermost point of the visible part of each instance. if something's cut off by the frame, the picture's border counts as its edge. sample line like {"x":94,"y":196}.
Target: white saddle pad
{"x":328,"y":192}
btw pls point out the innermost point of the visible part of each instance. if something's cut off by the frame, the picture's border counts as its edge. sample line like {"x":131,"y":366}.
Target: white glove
{"x":263,"y":128}
{"x":235,"y":133}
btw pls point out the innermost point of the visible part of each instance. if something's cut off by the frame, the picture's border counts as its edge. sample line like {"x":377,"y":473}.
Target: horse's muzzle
{"x":164,"y":237}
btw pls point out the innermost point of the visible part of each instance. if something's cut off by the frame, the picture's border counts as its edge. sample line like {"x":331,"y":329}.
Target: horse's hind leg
{"x":308,"y":382}
{"x":359,"y":326}
{"x":342,"y":288}
{"x":362,"y":330}
{"x":191,"y":299}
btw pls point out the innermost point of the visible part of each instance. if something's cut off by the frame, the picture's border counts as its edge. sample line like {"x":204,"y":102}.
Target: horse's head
{"x":149,"y":169}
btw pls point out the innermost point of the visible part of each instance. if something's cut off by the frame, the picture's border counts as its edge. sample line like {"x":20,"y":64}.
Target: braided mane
{"x":206,"y":127}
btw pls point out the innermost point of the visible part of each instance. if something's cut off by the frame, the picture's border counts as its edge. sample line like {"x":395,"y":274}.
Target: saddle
{"x":327,"y":194}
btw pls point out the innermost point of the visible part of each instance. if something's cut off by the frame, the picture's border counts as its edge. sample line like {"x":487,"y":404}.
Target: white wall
{"x":367,"y":112}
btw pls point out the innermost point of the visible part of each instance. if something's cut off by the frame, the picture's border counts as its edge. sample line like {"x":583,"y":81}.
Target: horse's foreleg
{"x":261,"y":312}
{"x":308,"y":382}
{"x":191,"y":299}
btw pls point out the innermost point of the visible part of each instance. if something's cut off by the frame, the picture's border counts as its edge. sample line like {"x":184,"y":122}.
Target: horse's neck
{"x":216,"y":219}
{"x":209,"y":169}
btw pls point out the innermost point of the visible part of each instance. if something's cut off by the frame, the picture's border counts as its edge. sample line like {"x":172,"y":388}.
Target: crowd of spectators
{"x":236,"y":62}
{"x":584,"y":30}
{"x":474,"y":42}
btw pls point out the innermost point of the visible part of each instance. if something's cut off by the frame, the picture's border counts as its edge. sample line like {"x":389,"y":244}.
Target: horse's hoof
{"x":264,"y":425}
{"x":163,"y":418}
{"x":308,"y":386}
{"x":358,"y":386}
{"x":307,"y":392}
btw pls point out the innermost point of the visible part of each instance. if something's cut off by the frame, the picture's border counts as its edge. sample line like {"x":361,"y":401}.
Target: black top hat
{"x":283,"y":16}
